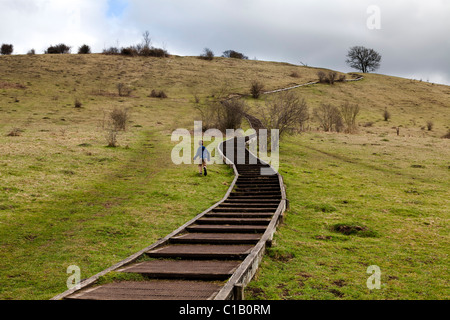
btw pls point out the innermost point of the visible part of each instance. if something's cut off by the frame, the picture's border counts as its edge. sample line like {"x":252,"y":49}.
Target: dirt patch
{"x":8,"y":85}
{"x":340,"y":283}
{"x":257,"y":293}
{"x":284,"y":292}
{"x":337,"y":293}
{"x":304,"y":275}
{"x":279,"y":255}
{"x":321,"y":237}
{"x":353,"y":229}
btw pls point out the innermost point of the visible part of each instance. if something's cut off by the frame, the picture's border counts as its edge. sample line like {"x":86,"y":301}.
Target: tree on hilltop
{"x":363,"y":59}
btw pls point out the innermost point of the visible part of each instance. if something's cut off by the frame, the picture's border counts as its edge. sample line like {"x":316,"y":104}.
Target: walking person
{"x":203,"y":155}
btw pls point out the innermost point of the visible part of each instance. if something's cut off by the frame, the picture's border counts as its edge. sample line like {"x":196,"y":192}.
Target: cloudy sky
{"x":411,"y":35}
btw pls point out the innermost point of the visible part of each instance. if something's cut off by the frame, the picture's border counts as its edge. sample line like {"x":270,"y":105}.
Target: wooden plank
{"x":197,"y":269}
{"x":150,"y":290}
{"x":220,"y":238}
{"x":202,"y":251}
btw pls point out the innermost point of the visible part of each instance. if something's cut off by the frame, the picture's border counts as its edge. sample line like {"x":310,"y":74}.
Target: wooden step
{"x":240,"y":214}
{"x":262,"y":193}
{"x":227,"y":228}
{"x":242,"y":209}
{"x":258,"y":197}
{"x":216,"y":238}
{"x":250,"y":200}
{"x":200,"y":251}
{"x":184,"y":269}
{"x":248,"y":205}
{"x":150,"y":290}
{"x":233,"y":221}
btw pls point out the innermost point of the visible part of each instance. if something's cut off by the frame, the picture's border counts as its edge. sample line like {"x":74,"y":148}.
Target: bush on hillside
{"x":84,"y":49}
{"x":7,"y":49}
{"x":256,"y":89}
{"x":58,"y":49}
{"x":111,"y":51}
{"x":207,"y":54}
{"x":329,"y":117}
{"x":158,"y":94}
{"x":234,"y":54}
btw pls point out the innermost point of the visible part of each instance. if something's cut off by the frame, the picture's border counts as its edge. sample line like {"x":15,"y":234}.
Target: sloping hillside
{"x":66,"y":199}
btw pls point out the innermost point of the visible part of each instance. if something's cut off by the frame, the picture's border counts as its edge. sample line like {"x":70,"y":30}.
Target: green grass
{"x":354,"y":204}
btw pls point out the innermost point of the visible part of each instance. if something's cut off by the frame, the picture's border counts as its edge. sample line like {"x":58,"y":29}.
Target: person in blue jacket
{"x":203,"y":155}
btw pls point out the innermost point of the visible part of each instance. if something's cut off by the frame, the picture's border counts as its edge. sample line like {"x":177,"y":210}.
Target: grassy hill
{"x":67,"y":199}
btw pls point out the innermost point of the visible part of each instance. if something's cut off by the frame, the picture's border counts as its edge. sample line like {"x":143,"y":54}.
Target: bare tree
{"x":363,"y":59}
{"x":207,"y":54}
{"x":222,"y":115}
{"x":286,"y":112}
{"x":349,"y":113}
{"x":329,"y":117}
{"x":146,"y":40}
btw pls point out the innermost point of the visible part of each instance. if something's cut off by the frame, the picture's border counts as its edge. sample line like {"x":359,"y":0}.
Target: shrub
{"x":207,"y":54}
{"x":7,"y":49}
{"x":286,"y":112}
{"x":31,"y":52}
{"x":430,"y":125}
{"x":111,"y":137}
{"x":58,"y":49}
{"x":348,"y":114}
{"x":15,"y":132}
{"x":329,"y":78}
{"x":322,"y":76}
{"x":329,"y":117}
{"x":158,"y":94}
{"x":234,"y":54}
{"x":386,"y":115}
{"x":78,"y":103}
{"x":447,"y":135}
{"x":84,"y":49}
{"x":111,"y":51}
{"x":124,"y":90}
{"x":295,"y":74}
{"x":256,"y":89}
{"x":119,"y":118}
{"x":129,"y":51}
{"x":155,"y":52}
{"x":222,"y":115}
{"x":231,"y":114}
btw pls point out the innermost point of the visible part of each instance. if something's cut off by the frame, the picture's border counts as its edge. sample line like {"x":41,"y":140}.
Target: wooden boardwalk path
{"x":214,"y":255}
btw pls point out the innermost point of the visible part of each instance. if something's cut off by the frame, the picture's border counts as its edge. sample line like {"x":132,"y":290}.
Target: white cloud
{"x":40,"y":23}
